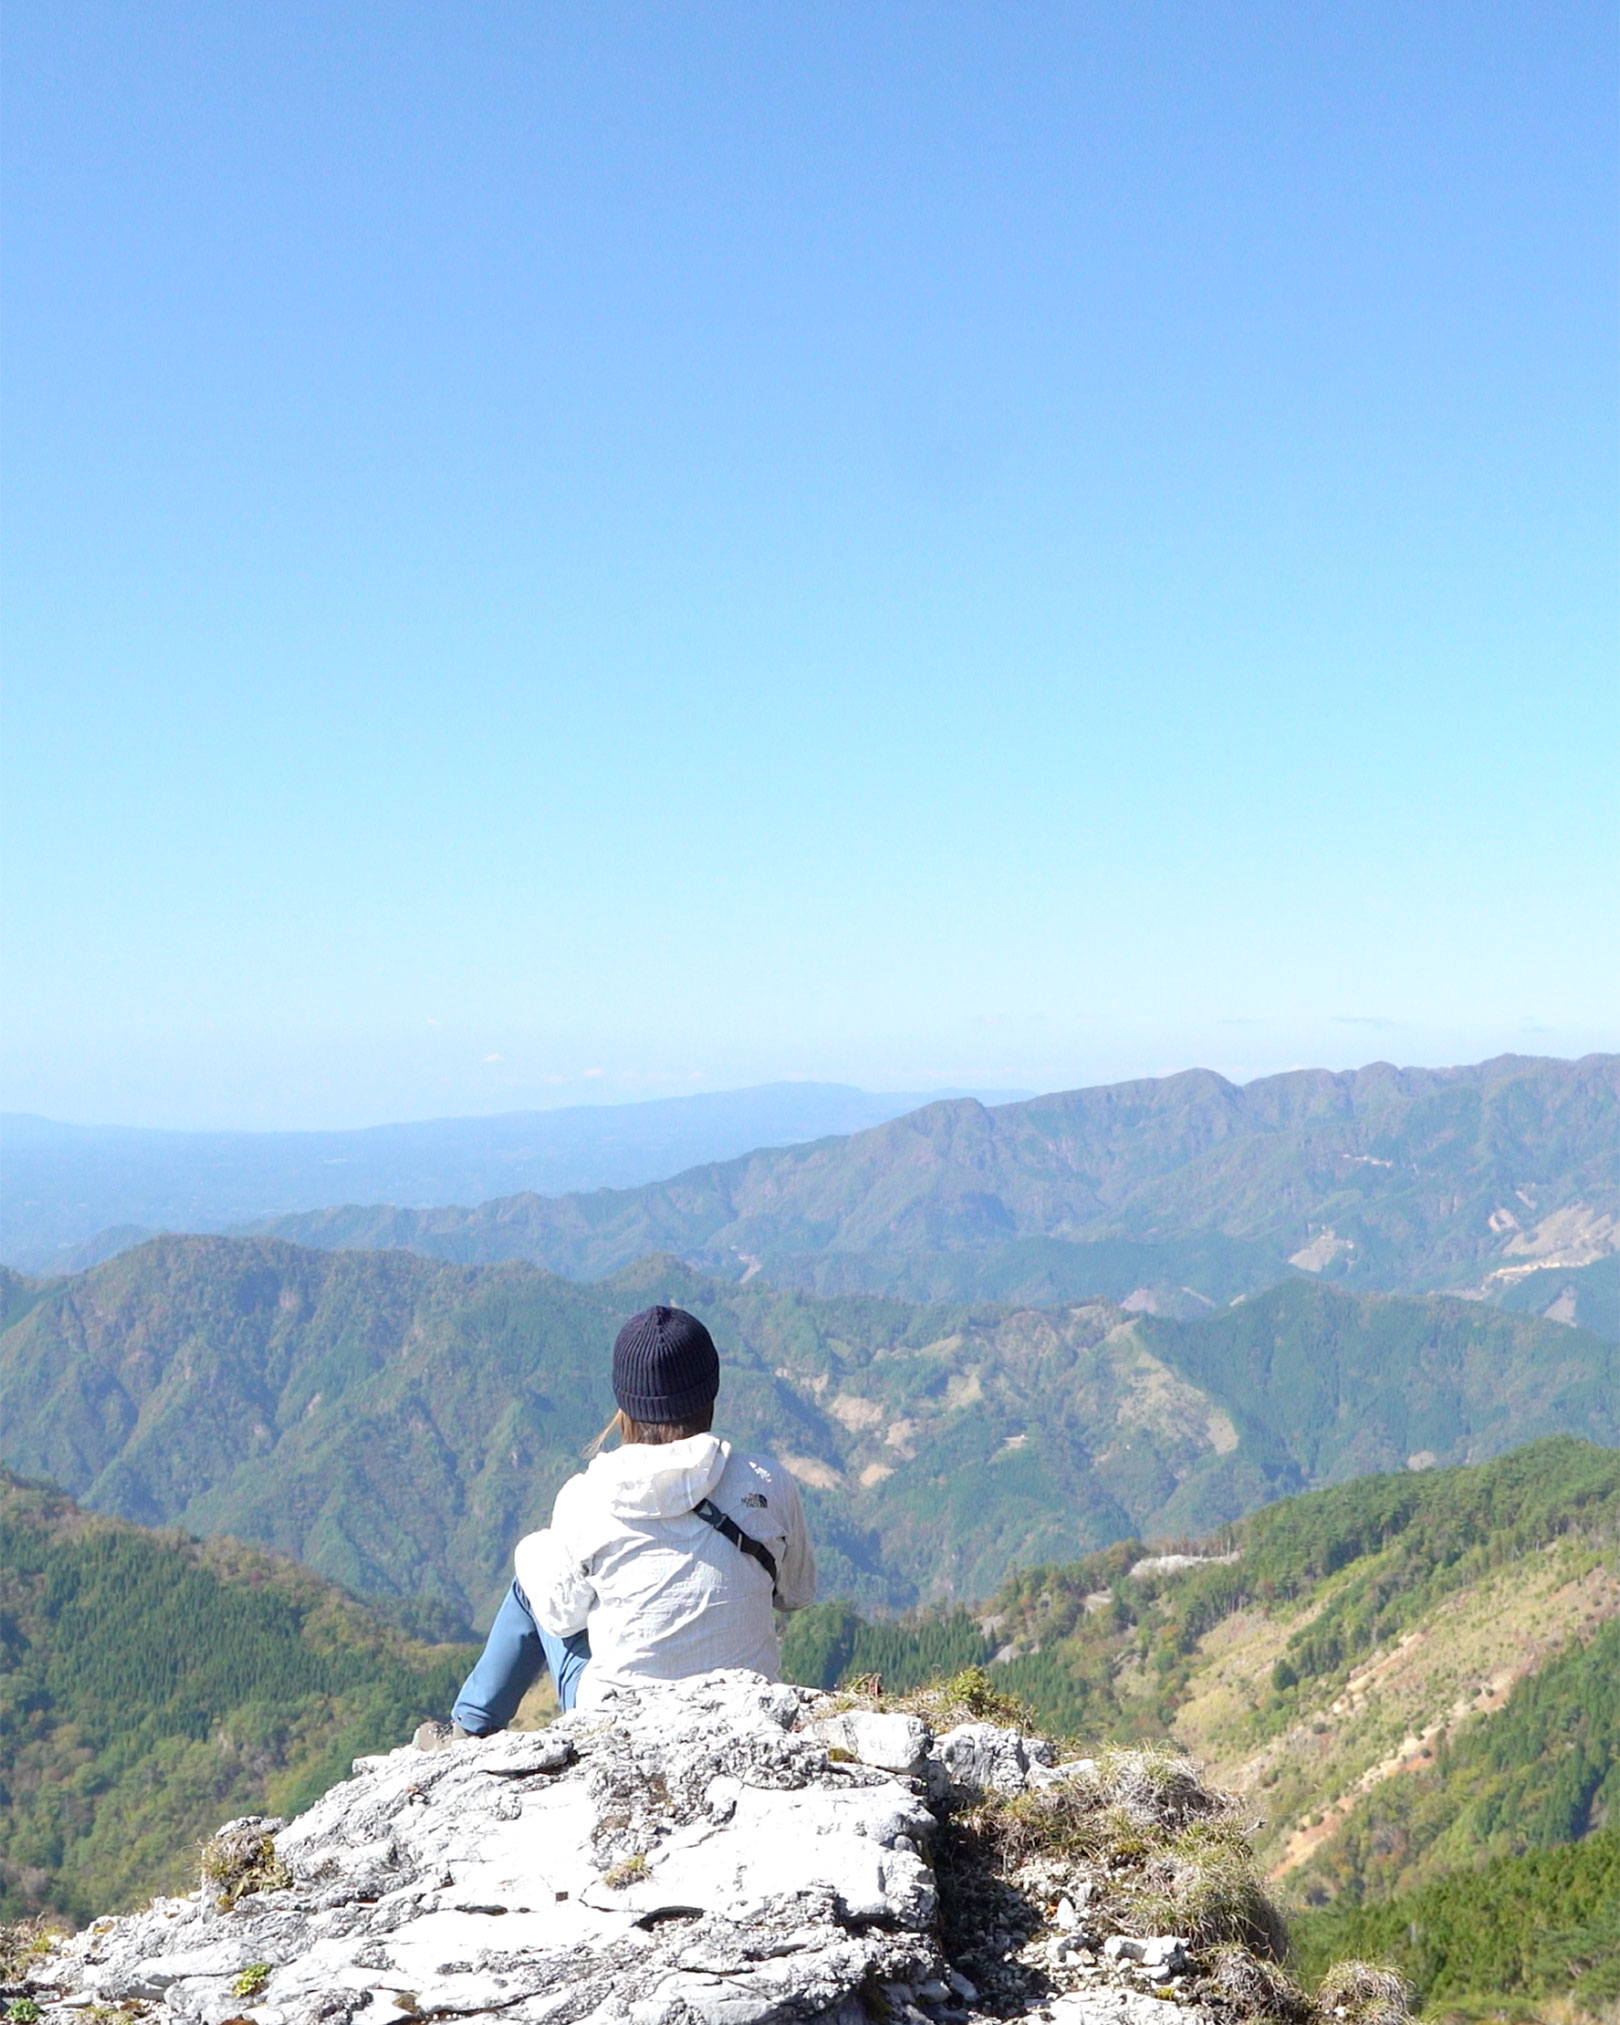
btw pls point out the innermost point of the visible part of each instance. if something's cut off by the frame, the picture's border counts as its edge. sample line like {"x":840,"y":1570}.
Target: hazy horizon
{"x":603,"y":1095}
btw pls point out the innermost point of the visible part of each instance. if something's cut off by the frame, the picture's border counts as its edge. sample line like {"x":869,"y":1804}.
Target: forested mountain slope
{"x":1527,"y":1931}
{"x":155,"y":1685}
{"x":1412,"y":1676}
{"x":1587,"y":1297}
{"x":1400,"y":1179}
{"x":397,"y":1422}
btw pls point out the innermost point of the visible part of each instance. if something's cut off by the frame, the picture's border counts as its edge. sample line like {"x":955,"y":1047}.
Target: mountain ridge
{"x":1410,"y":1180}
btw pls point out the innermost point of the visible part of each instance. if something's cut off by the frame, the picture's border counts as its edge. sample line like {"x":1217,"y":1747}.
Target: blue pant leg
{"x":509,"y":1665}
{"x":567,"y":1658}
{"x":516,"y":1653}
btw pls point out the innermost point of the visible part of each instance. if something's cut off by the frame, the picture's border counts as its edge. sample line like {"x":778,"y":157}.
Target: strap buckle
{"x":756,"y":1550}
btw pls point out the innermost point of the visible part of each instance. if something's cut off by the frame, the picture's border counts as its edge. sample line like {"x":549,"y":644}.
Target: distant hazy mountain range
{"x":1171,"y":1196}
{"x":397,"y":1422}
{"x":102,"y":1188}
{"x":1179,"y":1193}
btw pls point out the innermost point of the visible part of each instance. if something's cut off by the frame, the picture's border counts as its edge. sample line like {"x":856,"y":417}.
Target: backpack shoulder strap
{"x":711,"y":1514}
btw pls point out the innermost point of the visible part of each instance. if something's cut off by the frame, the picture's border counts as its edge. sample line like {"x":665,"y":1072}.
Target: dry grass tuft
{"x":1203,"y":1884}
{"x":1157,"y":1789}
{"x":24,"y":1945}
{"x":1363,"y":1993}
{"x":970,"y":1696}
{"x":627,"y":1871}
{"x":1254,"y":1988}
{"x":1156,"y":1850}
{"x":238,"y":1862}
{"x":1139,"y":1845}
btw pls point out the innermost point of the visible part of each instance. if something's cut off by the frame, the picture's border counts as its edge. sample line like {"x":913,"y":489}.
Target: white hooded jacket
{"x":663,"y":1594}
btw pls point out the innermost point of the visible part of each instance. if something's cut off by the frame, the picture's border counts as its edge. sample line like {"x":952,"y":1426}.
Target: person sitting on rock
{"x":667,"y":1557}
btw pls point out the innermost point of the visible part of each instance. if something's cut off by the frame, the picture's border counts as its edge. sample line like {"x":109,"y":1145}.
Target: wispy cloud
{"x":1361,"y":1020}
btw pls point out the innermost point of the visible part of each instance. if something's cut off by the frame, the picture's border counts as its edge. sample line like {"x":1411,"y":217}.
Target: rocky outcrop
{"x":725,"y":1851}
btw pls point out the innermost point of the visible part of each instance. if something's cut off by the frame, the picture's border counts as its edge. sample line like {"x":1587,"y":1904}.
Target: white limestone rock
{"x":720,"y":1851}
{"x":1044,"y":1775}
{"x":978,"y":1758}
{"x":684,"y":1856}
{"x":1166,"y":1954}
{"x":891,"y":1742}
{"x":1114,"y":2006}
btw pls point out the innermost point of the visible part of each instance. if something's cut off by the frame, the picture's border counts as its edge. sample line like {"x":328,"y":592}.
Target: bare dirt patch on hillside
{"x":1388,"y":1716}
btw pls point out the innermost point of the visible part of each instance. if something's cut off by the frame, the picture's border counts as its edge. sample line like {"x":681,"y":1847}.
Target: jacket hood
{"x":643,"y":1481}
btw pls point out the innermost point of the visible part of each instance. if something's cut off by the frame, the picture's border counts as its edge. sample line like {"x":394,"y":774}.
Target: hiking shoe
{"x":437,"y":1736}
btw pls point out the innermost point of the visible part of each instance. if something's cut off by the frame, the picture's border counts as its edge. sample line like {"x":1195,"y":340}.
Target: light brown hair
{"x":653,"y":1433}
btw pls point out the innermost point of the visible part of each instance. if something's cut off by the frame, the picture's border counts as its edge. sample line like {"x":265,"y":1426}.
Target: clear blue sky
{"x":568,"y":549}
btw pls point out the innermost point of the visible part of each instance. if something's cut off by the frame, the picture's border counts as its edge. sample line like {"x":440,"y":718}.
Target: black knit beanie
{"x":665,"y":1366}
